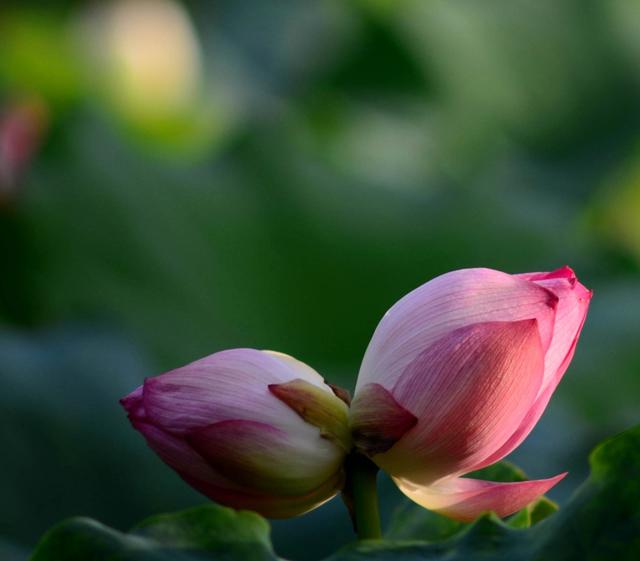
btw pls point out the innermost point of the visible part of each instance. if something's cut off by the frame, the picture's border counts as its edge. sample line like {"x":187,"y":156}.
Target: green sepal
{"x":318,"y":407}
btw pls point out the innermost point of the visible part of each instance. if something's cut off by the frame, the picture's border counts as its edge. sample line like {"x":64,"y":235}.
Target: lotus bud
{"x":250,"y":429}
{"x":457,"y":374}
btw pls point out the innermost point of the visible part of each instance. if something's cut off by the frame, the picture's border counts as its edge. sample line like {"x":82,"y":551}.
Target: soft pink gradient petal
{"x":176,"y":453}
{"x":298,"y":369}
{"x":134,"y":405}
{"x":198,"y":473}
{"x":265,"y":459}
{"x":572,"y":310}
{"x":465,"y":499}
{"x":231,"y":384}
{"x":573,"y":303}
{"x":270,"y":505}
{"x":470,"y":391}
{"x":446,"y":303}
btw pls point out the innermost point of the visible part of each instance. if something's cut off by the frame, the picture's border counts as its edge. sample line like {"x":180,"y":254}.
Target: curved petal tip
{"x":133,"y":404}
{"x":465,"y":499}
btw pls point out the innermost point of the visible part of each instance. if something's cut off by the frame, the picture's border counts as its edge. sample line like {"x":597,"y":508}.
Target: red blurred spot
{"x":22,"y":127}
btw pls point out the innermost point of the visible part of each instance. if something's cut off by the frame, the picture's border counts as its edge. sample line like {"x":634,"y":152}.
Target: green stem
{"x":363,"y":475}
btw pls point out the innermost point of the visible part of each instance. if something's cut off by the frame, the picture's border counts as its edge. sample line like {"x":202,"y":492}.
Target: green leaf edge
{"x":601,"y":521}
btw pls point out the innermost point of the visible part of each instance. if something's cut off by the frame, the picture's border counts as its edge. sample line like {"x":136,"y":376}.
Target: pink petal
{"x":261,"y":458}
{"x":298,"y":368}
{"x":176,"y":453}
{"x":446,"y":303}
{"x":470,"y":391}
{"x":466,"y":499}
{"x":269,"y":505}
{"x":231,"y":384}
{"x":134,"y":405}
{"x":572,"y":310}
{"x":195,"y":471}
{"x":565,"y":272}
{"x":573,"y":303}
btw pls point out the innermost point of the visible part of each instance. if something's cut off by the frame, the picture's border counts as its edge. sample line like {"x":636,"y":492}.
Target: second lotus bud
{"x":249,"y":429}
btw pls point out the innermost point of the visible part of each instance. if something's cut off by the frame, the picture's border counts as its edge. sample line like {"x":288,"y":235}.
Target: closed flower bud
{"x":249,"y":429}
{"x":457,"y":374}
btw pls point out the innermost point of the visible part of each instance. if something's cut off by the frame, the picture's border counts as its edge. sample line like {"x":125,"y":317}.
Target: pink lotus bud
{"x":457,"y":374}
{"x":249,"y":429}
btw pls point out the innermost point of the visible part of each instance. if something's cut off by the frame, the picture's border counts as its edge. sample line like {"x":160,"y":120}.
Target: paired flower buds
{"x":457,"y":374}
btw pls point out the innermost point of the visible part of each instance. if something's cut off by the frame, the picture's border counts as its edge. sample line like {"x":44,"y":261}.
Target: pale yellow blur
{"x":148,"y":53}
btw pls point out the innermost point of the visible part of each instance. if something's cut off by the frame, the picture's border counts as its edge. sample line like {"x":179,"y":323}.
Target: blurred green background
{"x":181,"y":178}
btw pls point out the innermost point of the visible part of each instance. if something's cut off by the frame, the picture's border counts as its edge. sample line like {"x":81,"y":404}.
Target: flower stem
{"x":362,"y":473}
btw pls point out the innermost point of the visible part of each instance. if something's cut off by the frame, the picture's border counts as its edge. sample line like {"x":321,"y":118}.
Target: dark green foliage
{"x":601,"y":522}
{"x":203,"y":533}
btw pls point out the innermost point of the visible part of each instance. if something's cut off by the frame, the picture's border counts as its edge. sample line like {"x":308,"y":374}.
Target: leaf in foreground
{"x":600,"y":522}
{"x":198,"y":534}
